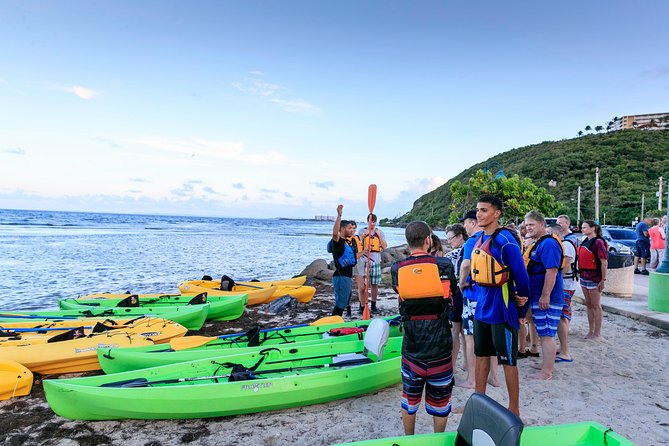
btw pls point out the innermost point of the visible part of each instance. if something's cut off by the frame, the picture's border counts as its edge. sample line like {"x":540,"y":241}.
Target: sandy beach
{"x":620,"y":382}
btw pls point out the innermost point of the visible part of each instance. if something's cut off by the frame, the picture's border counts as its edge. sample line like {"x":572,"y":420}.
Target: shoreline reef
{"x":617,"y":382}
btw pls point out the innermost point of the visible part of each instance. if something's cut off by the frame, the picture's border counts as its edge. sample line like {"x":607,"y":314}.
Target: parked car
{"x":621,"y":239}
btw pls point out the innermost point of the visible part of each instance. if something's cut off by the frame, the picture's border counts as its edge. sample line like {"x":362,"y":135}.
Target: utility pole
{"x":578,"y":208}
{"x":643,"y":198}
{"x":597,"y":195}
{"x":659,"y":197}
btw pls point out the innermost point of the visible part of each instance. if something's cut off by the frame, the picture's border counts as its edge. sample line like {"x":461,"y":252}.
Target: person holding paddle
{"x":373,"y":241}
{"x":425,"y":285}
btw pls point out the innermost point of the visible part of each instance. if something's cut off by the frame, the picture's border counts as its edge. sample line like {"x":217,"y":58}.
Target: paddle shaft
{"x":142,"y":382}
{"x":371,"y":202}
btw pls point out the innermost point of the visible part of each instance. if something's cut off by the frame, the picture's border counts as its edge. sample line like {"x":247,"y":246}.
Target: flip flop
{"x":558,"y":359}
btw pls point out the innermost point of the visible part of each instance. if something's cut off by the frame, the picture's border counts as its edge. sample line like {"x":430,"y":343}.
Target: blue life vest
{"x":347,"y":258}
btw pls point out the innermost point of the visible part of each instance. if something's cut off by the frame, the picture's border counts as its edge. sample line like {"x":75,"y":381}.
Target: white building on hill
{"x":652,"y":121}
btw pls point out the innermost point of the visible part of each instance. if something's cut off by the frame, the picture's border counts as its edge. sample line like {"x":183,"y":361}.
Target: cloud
{"x":323,"y":184}
{"x":211,"y":191}
{"x":187,"y":189}
{"x":107,"y":141}
{"x":287,"y":195}
{"x":139,"y":180}
{"x":134,"y":191}
{"x":16,"y":151}
{"x":81,"y":92}
{"x":3,"y":82}
{"x":228,"y":150}
{"x":256,"y":73}
{"x":655,"y":73}
{"x":295,"y":105}
{"x":275,"y":94}
{"x":238,"y":186}
{"x":269,"y":191}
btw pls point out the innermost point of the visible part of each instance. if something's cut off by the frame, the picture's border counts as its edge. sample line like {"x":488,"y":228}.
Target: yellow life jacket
{"x":486,"y":269}
{"x":375,"y":242}
{"x":421,"y":280}
{"x":355,"y":240}
{"x":529,"y":264}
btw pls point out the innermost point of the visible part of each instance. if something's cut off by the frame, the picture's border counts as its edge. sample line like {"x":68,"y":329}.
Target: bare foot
{"x":541,"y":376}
{"x":466,"y":385}
{"x":494,"y":382}
{"x":597,"y":338}
{"x":589,"y":336}
{"x":536,"y":366}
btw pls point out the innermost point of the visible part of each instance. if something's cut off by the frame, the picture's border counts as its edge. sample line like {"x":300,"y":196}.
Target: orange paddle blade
{"x":371,"y":197}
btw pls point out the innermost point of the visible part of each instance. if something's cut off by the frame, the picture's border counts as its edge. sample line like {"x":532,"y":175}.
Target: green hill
{"x":630,"y":162}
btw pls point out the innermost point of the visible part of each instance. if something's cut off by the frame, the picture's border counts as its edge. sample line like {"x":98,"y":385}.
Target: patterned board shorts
{"x":437,"y":379}
{"x":546,"y":321}
{"x":566,"y":308}
{"x":374,"y":273}
{"x":468,"y":310}
{"x":589,"y":284}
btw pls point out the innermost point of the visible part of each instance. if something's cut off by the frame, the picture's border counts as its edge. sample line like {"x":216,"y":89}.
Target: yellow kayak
{"x":302,"y":293}
{"x":295,"y":281}
{"x":257,"y":296}
{"x":15,"y":380}
{"x":75,"y":355}
{"x":159,"y":331}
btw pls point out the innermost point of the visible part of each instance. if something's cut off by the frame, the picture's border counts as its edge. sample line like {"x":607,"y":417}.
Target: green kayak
{"x":578,"y":434}
{"x":221,"y":308}
{"x":192,"y":348}
{"x":289,"y":376}
{"x":192,"y":317}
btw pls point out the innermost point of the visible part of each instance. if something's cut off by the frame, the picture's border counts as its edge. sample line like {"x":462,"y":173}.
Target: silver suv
{"x":621,"y":239}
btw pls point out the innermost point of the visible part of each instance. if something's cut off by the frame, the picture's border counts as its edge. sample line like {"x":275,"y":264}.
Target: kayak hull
{"x":577,"y":434}
{"x":255,"y":296}
{"x":76,"y":355}
{"x":126,"y":359}
{"x":84,"y":399}
{"x":192,"y":317}
{"x":15,"y":380}
{"x":221,"y":308}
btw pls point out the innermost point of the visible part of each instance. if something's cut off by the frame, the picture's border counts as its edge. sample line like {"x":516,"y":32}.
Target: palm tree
{"x":580,"y":133}
{"x":588,"y":128}
{"x":599,"y":128}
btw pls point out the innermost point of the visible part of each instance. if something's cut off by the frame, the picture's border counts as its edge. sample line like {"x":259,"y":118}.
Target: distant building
{"x":325,"y":218}
{"x":653,"y":121}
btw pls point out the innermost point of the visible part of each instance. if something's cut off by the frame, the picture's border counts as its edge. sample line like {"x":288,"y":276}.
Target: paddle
{"x":143,"y":382}
{"x":371,"y":202}
{"x":197,"y":341}
{"x":39,"y":330}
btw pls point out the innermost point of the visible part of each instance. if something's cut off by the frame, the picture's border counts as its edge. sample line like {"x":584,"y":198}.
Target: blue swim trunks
{"x":546,"y":321}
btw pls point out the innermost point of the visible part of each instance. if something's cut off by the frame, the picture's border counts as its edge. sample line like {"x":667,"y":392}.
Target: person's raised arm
{"x":337,"y":223}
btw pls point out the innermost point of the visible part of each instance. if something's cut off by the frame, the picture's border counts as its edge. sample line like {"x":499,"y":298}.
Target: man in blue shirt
{"x":546,"y":288}
{"x":496,"y":318}
{"x":642,"y":250}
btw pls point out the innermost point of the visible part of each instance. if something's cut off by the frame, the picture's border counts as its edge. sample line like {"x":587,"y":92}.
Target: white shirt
{"x":569,"y":251}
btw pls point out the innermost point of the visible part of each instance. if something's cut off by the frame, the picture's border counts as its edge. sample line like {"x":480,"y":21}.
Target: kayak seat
{"x":351,"y":359}
{"x":485,"y":422}
{"x":376,"y":337}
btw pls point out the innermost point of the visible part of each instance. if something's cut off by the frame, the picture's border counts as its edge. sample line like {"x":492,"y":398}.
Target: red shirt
{"x":598,"y":247}
{"x":656,"y":239}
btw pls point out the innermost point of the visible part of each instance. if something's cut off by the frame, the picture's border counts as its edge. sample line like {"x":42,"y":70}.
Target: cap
{"x":468,"y":214}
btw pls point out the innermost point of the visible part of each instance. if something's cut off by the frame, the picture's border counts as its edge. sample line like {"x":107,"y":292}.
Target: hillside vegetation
{"x":630,"y":162}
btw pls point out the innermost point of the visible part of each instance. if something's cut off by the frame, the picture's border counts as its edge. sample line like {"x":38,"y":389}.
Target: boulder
{"x":314,"y":267}
{"x":324,"y":274}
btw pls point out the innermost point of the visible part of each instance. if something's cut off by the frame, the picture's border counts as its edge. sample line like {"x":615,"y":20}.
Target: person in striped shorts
{"x":546,"y":289}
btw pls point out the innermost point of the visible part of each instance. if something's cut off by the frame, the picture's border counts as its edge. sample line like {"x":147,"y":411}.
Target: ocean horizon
{"x":47,"y":255}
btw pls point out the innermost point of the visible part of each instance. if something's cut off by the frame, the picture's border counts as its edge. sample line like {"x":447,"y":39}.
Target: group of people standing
{"x":479,"y":298}
{"x":651,"y":234}
{"x":352,"y":252}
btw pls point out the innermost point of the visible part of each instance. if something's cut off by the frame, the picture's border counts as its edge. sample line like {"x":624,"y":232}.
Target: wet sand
{"x":620,"y":382}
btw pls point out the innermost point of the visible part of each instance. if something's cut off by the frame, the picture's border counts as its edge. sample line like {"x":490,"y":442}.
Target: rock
{"x":314,"y":267}
{"x":281,"y":304}
{"x":324,"y":274}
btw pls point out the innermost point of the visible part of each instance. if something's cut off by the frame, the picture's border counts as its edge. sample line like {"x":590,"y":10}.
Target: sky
{"x":288,"y":108}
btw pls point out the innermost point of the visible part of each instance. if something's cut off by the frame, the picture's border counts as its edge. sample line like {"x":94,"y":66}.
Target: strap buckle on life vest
{"x":424,"y":317}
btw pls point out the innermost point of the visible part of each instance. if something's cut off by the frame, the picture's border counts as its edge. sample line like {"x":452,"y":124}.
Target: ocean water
{"x":47,"y":255}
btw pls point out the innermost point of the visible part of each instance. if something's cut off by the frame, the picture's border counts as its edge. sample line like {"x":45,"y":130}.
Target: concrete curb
{"x":646,"y":318}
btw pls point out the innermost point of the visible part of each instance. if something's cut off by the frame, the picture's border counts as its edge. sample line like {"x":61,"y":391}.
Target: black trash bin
{"x":618,"y":260}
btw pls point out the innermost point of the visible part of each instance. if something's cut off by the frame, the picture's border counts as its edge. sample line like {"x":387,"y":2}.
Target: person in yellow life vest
{"x":425,"y":284}
{"x":374,"y":241}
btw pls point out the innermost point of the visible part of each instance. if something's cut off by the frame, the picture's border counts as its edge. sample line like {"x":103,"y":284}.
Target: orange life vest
{"x":486,"y":269}
{"x":421,"y":280}
{"x":375,"y":242}
{"x":529,"y":263}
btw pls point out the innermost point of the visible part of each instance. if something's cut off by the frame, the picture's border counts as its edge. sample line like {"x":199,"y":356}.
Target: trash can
{"x":620,"y":275}
{"x":658,"y":292}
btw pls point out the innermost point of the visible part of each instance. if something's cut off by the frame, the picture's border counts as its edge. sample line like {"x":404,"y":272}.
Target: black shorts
{"x":455,"y":315}
{"x":499,"y":340}
{"x":642,"y":249}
